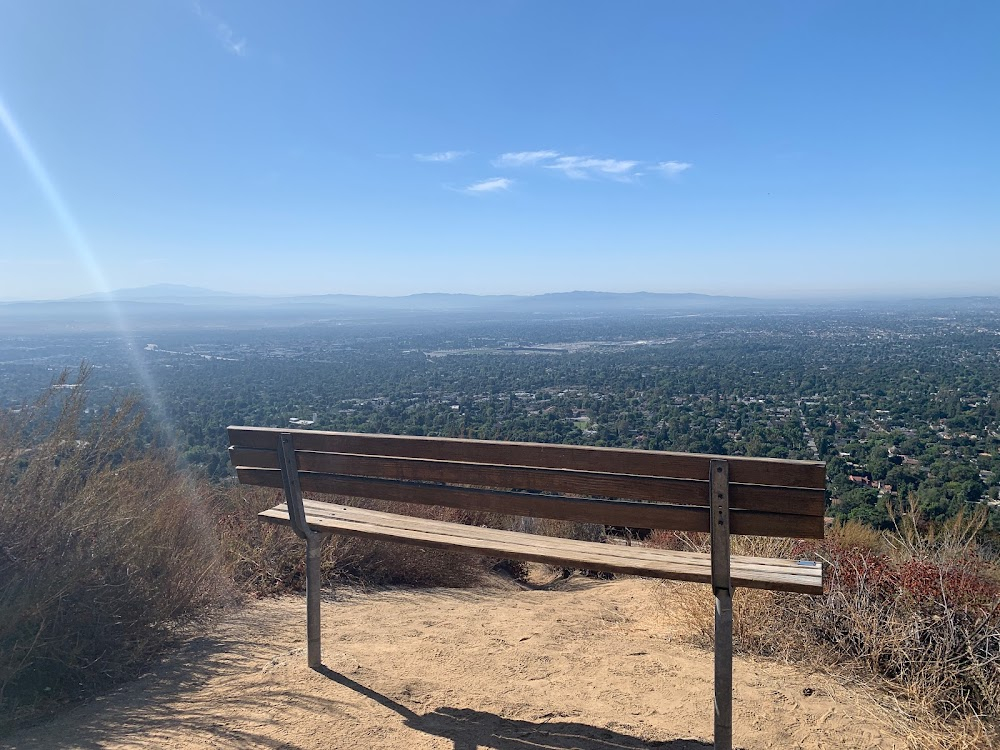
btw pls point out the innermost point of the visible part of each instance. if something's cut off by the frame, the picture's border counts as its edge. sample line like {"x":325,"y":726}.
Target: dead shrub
{"x":103,"y":552}
{"x":916,"y":611}
{"x":853,"y":535}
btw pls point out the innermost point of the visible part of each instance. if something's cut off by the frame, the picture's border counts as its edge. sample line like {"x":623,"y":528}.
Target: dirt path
{"x":584,"y":664}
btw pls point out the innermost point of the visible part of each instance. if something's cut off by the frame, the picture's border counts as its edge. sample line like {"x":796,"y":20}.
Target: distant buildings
{"x":882,"y":487}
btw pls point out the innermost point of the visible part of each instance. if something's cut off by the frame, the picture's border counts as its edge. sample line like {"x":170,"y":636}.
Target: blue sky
{"x":763,"y":148}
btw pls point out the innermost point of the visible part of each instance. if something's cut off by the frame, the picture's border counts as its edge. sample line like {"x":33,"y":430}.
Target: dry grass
{"x":103,"y":552}
{"x":915,"y":613}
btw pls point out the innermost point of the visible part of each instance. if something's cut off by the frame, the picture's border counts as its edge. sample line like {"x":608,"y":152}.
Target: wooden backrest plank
{"x":607,"y":512}
{"x":791,"y":500}
{"x":742,"y":470}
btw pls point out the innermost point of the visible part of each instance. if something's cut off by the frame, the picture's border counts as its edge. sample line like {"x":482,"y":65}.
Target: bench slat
{"x":320,"y":509}
{"x":327,"y":511}
{"x":555,"y":551}
{"x":763,"y":471}
{"x":792,"y":500}
{"x":606,"y":512}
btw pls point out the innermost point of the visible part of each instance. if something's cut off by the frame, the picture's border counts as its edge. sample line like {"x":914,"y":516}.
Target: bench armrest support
{"x":290,"y":482}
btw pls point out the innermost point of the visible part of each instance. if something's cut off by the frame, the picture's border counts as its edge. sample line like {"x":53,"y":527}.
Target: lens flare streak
{"x":83,"y":251}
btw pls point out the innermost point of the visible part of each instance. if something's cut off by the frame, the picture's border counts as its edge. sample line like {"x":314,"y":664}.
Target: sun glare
{"x":81,"y":247}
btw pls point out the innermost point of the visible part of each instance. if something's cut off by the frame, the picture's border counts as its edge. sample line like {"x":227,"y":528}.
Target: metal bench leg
{"x":314,"y":542}
{"x":723,"y":669}
{"x":314,"y":545}
{"x":722,"y":585}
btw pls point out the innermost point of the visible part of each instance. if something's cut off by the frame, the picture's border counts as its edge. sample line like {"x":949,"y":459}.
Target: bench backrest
{"x":610,"y":486}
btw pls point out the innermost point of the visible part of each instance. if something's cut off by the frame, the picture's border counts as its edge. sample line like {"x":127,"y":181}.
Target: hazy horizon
{"x":186,"y":291}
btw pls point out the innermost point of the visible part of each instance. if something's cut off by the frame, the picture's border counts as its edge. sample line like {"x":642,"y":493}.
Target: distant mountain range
{"x":177,"y":306}
{"x":153,"y":293}
{"x":553,"y":302}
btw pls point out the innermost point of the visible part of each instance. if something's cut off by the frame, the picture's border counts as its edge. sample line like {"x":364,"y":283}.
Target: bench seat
{"x":750,"y":572}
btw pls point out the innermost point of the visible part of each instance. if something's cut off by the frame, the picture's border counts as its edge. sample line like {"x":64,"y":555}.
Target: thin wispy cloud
{"x":232,"y":42}
{"x":673,"y":168}
{"x":573,"y":167}
{"x":492,"y":185}
{"x":582,"y":167}
{"x":441,"y":156}
{"x":523,"y":158}
{"x":589,"y":167}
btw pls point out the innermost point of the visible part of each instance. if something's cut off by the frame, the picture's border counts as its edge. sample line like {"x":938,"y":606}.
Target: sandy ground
{"x":581,"y":664}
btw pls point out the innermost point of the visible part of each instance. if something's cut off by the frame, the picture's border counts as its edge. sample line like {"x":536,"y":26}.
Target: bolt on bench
{"x":610,"y":486}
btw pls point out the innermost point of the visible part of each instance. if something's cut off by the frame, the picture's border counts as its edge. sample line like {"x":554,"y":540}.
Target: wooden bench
{"x":609,"y":486}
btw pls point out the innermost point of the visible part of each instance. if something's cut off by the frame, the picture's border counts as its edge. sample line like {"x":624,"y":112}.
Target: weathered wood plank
{"x":791,"y":500}
{"x":608,"y":512}
{"x":765,"y":471}
{"x":564,"y":552}
{"x":320,"y":510}
{"x":372,"y":519}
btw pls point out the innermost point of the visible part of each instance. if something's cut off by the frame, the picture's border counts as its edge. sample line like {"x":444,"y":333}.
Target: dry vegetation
{"x":915,"y":612}
{"x":107,"y":551}
{"x":104,"y":552}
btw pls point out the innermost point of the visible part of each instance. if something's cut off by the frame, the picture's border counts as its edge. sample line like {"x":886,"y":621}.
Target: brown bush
{"x":916,"y":611}
{"x":103,"y":551}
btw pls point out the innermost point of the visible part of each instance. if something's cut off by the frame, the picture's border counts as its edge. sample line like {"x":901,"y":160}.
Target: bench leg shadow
{"x":469,"y":729}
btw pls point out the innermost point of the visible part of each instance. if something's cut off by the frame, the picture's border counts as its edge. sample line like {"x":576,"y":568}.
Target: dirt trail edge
{"x":584,"y":664}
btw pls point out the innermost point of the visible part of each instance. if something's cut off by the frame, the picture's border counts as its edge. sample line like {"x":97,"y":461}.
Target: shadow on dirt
{"x":469,"y":729}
